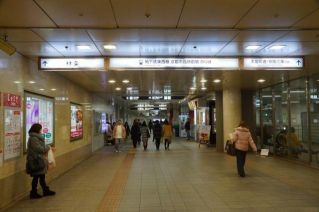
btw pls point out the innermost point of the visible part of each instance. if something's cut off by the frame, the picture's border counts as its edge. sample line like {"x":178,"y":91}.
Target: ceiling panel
{"x":259,"y":36}
{"x":163,"y":13}
{"x":290,"y":49}
{"x":239,"y":48}
{"x":63,"y":35}
{"x":72,"y":48}
{"x":20,"y":35}
{"x":163,"y":35}
{"x":310,"y":21}
{"x":79,"y":13}
{"x":161,"y":48}
{"x":214,"y":13}
{"x":212,"y":35}
{"x":305,"y":35}
{"x":308,"y":48}
{"x":202,"y":48}
{"x":277,"y":13}
{"x":35,"y":49}
{"x":122,"y":48}
{"x":22,"y":13}
{"x":114,"y":35}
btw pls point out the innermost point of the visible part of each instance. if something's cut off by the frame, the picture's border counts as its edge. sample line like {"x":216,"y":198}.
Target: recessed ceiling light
{"x":261,"y":80}
{"x":53,"y":89}
{"x":83,"y":47}
{"x":277,"y":47}
{"x":31,"y":82}
{"x":193,"y":88}
{"x":118,"y":88}
{"x":41,"y":89}
{"x":217,"y":81}
{"x":253,"y":47}
{"x":125,"y":81}
{"x":17,"y":82}
{"x":203,"y":80}
{"x":109,"y":47}
{"x":112,"y":81}
{"x":129,"y":88}
{"x":203,"y":88}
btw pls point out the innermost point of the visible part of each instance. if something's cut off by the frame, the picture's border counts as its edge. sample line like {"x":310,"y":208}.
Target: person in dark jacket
{"x":150,"y":125}
{"x":145,"y":134}
{"x":37,"y":163}
{"x":188,"y":129}
{"x":157,"y":134}
{"x":127,"y":129}
{"x":135,"y":133}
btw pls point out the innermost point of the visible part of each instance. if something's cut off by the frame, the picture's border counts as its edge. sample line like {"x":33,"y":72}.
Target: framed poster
{"x":12,"y":133}
{"x":76,"y":122}
{"x":103,"y":122}
{"x":39,"y":109}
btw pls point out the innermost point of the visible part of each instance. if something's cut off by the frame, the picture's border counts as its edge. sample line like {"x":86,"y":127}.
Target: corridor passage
{"x":185,"y":178}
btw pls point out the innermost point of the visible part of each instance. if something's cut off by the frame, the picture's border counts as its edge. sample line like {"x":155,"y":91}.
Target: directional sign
{"x":174,"y":63}
{"x":72,"y":63}
{"x":273,"y":63}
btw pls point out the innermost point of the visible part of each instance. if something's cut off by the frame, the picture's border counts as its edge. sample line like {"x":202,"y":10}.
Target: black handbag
{"x":35,"y":164}
{"x":230,"y":148}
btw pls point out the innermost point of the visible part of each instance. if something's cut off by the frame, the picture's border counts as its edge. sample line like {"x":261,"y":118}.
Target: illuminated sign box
{"x":51,"y":64}
{"x":273,"y":63}
{"x":174,"y":63}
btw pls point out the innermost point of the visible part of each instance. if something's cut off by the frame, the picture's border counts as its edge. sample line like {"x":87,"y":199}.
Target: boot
{"x":34,"y":195}
{"x":48,"y":192}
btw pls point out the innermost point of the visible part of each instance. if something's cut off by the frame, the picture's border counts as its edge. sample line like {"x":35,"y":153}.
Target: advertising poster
{"x":103,"y":121}
{"x":11,"y":100}
{"x":39,"y":109}
{"x":76,"y":122}
{"x":204,"y":132}
{"x":12,"y":134}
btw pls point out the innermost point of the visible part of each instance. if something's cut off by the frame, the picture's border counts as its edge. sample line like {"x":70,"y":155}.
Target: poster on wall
{"x":39,"y":109}
{"x":103,"y":122}
{"x":204,"y":133}
{"x":76,"y":122}
{"x":12,"y":133}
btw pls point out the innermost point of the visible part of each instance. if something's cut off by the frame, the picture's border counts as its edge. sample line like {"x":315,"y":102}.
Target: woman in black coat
{"x":37,"y":163}
{"x":135,"y":133}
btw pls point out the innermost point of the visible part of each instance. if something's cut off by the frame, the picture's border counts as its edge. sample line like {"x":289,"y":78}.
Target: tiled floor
{"x":186,"y":178}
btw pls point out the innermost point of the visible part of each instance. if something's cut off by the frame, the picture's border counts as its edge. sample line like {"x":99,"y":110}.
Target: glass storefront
{"x":288,"y":119}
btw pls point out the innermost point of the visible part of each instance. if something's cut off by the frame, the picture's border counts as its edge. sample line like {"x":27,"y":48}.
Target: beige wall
{"x":19,"y":68}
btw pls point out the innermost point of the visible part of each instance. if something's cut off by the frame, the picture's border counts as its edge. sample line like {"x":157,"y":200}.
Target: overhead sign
{"x":72,"y":63}
{"x":174,"y":63}
{"x":273,"y":63}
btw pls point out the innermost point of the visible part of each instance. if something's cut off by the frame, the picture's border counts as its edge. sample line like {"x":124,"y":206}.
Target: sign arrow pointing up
{"x":44,"y":63}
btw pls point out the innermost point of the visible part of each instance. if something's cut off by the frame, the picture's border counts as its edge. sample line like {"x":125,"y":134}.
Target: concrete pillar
{"x":219,"y":122}
{"x":231,"y":110}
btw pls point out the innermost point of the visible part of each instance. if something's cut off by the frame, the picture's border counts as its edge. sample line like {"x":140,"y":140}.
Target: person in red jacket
{"x":242,"y":139}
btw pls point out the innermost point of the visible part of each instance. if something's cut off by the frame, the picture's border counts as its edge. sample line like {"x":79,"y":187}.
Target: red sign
{"x":11,"y":100}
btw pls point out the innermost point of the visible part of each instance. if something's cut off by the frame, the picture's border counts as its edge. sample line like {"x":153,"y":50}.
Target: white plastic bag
{"x":51,"y":158}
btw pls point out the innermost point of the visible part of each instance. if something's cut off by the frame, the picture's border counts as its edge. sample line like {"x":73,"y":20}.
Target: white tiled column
{"x":231,"y":110}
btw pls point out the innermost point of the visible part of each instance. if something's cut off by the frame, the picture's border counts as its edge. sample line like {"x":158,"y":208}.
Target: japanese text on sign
{"x":11,"y":100}
{"x":273,"y":63}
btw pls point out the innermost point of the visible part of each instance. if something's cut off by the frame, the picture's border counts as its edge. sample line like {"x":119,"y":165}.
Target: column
{"x":231,"y":110}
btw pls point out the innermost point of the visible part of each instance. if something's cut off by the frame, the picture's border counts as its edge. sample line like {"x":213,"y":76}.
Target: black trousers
{"x":157,"y":142}
{"x":166,"y":143}
{"x":241,"y":158}
{"x":134,"y":142}
{"x":35,"y":180}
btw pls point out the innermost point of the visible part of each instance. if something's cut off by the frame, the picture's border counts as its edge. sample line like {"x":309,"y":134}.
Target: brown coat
{"x":242,"y":139}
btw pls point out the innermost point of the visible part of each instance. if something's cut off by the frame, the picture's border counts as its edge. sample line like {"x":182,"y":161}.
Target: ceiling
{"x":214,"y":28}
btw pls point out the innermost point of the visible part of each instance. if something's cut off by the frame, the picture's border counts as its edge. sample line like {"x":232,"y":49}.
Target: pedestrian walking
{"x":119,"y":135}
{"x":135,"y":133}
{"x":157,"y":134}
{"x":242,"y":139}
{"x":167,"y":134}
{"x":145,"y":134}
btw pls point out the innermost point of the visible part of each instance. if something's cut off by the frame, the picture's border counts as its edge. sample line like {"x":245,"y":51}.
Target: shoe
{"x":34,"y":195}
{"x":48,"y":192}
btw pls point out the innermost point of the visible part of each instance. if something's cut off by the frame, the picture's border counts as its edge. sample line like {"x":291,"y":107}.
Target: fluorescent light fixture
{"x":129,"y":88}
{"x":125,"y":81}
{"x":261,"y":80}
{"x":118,"y":88}
{"x":277,"y":47}
{"x":17,"y":82}
{"x":7,"y":47}
{"x":31,"y":82}
{"x":193,"y":88}
{"x":41,"y":89}
{"x":83,"y":47}
{"x":203,"y":88}
{"x":203,"y":81}
{"x":112,"y":81}
{"x":109,"y":47}
{"x":217,"y":81}
{"x":53,"y":89}
{"x":253,"y":47}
